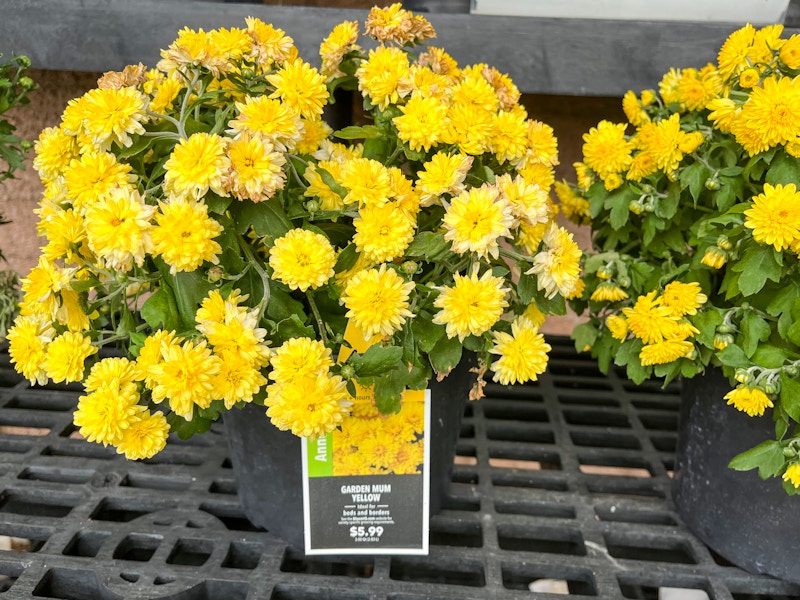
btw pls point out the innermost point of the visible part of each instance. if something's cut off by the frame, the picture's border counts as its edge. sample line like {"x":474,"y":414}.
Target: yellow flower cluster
{"x":200,"y":213}
{"x":659,"y":321}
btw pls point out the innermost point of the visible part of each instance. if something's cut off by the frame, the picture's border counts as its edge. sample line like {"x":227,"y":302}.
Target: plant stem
{"x":318,"y":317}
{"x":253,"y":261}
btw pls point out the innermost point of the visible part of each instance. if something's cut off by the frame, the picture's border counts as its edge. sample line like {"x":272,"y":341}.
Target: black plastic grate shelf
{"x":567,"y":479}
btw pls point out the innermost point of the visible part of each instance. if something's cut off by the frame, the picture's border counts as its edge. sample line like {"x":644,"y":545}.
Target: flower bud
{"x":714,"y":257}
{"x":312,"y":206}
{"x":347,"y":372}
{"x":722,"y":340}
{"x":725,"y":328}
{"x":26,"y":145}
{"x":624,"y":281}
{"x":712,"y":184}
{"x":789,"y":452}
{"x":771,"y":388}
{"x":743,"y":376}
{"x":215,"y":273}
{"x":248,"y":73}
{"x":605,"y":272}
{"x":636,"y":207}
{"x":409,"y":267}
{"x":648,"y":189}
{"x":23,"y":61}
{"x":791,"y":371}
{"x":26,"y":83}
{"x":724,"y":243}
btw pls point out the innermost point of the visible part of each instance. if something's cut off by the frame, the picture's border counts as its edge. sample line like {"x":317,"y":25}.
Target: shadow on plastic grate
{"x":560,"y":490}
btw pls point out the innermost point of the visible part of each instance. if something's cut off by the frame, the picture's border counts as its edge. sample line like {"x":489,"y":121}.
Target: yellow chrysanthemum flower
{"x":184,"y":235}
{"x":732,"y":56}
{"x":668,"y":86}
{"x":144,"y":437}
{"x":574,"y":206}
{"x":472,"y":305}
{"x":113,"y":115}
{"x":185,"y":377}
{"x":509,"y":139}
{"x":775,"y":216}
{"x":792,"y":474}
{"x":314,"y":133}
{"x":28,"y":339}
{"x":238,"y":338}
{"x":367,"y":182}
{"x":790,"y":52}
{"x":377,"y":301}
{"x":383,"y":232}
{"x":523,"y":353}
{"x":193,"y":48}
{"x":773,"y":112}
{"x":422,"y":122}
{"x":270,"y":44}
{"x":196,"y":165}
{"x":164,"y":94}
{"x":442,"y":174}
{"x":557,"y":267}
{"x":271,"y":119}
{"x":302,"y":259}
{"x":617,"y":326}
{"x":93,"y":175}
{"x":118,"y":229}
{"x":395,"y":24}
{"x":723,"y":113}
{"x":606,"y":149}
{"x":65,"y":232}
{"x":103,"y":415}
{"x":539,"y":174}
{"x":533,"y":314}
{"x":300,"y":87}
{"x":473,"y":89}
{"x":749,"y":78}
{"x":542,"y":145}
{"x":752,"y":401}
{"x":649,"y":321}
{"x":476,"y":220}
{"x":634,"y":110}
{"x":71,"y":313}
{"x":664,"y":141}
{"x":41,"y":287}
{"x":666,"y":351}
{"x":116,"y":372}
{"x":317,"y":188}
{"x":383,"y":76}
{"x":341,"y":40}
{"x":696,"y":88}
{"x":54,"y":149}
{"x":256,"y":169}
{"x":528,"y":202}
{"x":469,"y":127}
{"x":309,"y":406}
{"x":683,"y":298}
{"x":608,"y":292}
{"x":65,"y":356}
{"x":152,"y":353}
{"x":237,"y":379}
{"x":439,"y":61}
{"x":299,"y":357}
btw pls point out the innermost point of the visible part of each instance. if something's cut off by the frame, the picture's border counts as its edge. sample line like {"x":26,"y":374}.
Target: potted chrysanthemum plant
{"x":695,"y":214}
{"x":202,"y":219}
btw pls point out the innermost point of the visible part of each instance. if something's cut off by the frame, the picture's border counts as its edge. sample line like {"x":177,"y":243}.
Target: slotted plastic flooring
{"x":566,"y":479}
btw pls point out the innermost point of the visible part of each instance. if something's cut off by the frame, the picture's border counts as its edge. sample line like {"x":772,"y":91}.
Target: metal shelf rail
{"x":566,"y":479}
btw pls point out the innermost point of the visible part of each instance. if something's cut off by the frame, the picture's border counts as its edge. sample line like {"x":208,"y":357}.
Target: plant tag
{"x":366,"y":487}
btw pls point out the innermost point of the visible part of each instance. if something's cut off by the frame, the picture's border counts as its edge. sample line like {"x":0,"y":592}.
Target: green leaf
{"x":217,"y":204}
{"x":379,"y":359}
{"x":329,"y":180}
{"x":667,"y":207}
{"x":755,"y":330}
{"x":426,"y":333}
{"x":767,"y":457}
{"x":619,"y":214}
{"x":781,"y":421}
{"x":769,"y":356}
{"x":186,"y":429}
{"x":733,"y":356}
{"x":161,"y":311}
{"x":190,"y":290}
{"x":694,"y":177}
{"x":526,"y":288}
{"x":347,"y":259}
{"x":756,"y":266}
{"x":790,"y":396}
{"x":445,"y":354}
{"x":784,"y":169}
{"x":584,"y":335}
{"x":266,"y":218}
{"x":281,"y":305}
{"x":293,"y":327}
{"x":556,"y":305}
{"x":428,"y":244}
{"x":784,"y":299}
{"x":355,"y":132}
{"x":707,"y":321}
{"x":388,"y":391}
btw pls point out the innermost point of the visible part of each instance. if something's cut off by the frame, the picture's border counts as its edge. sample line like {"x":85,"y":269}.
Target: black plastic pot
{"x":751,"y":523}
{"x":266,"y":461}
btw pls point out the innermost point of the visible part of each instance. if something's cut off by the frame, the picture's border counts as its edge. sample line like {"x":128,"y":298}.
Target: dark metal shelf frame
{"x":564,"y":479}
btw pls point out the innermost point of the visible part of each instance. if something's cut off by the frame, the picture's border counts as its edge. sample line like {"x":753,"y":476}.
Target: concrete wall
{"x":570,"y":117}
